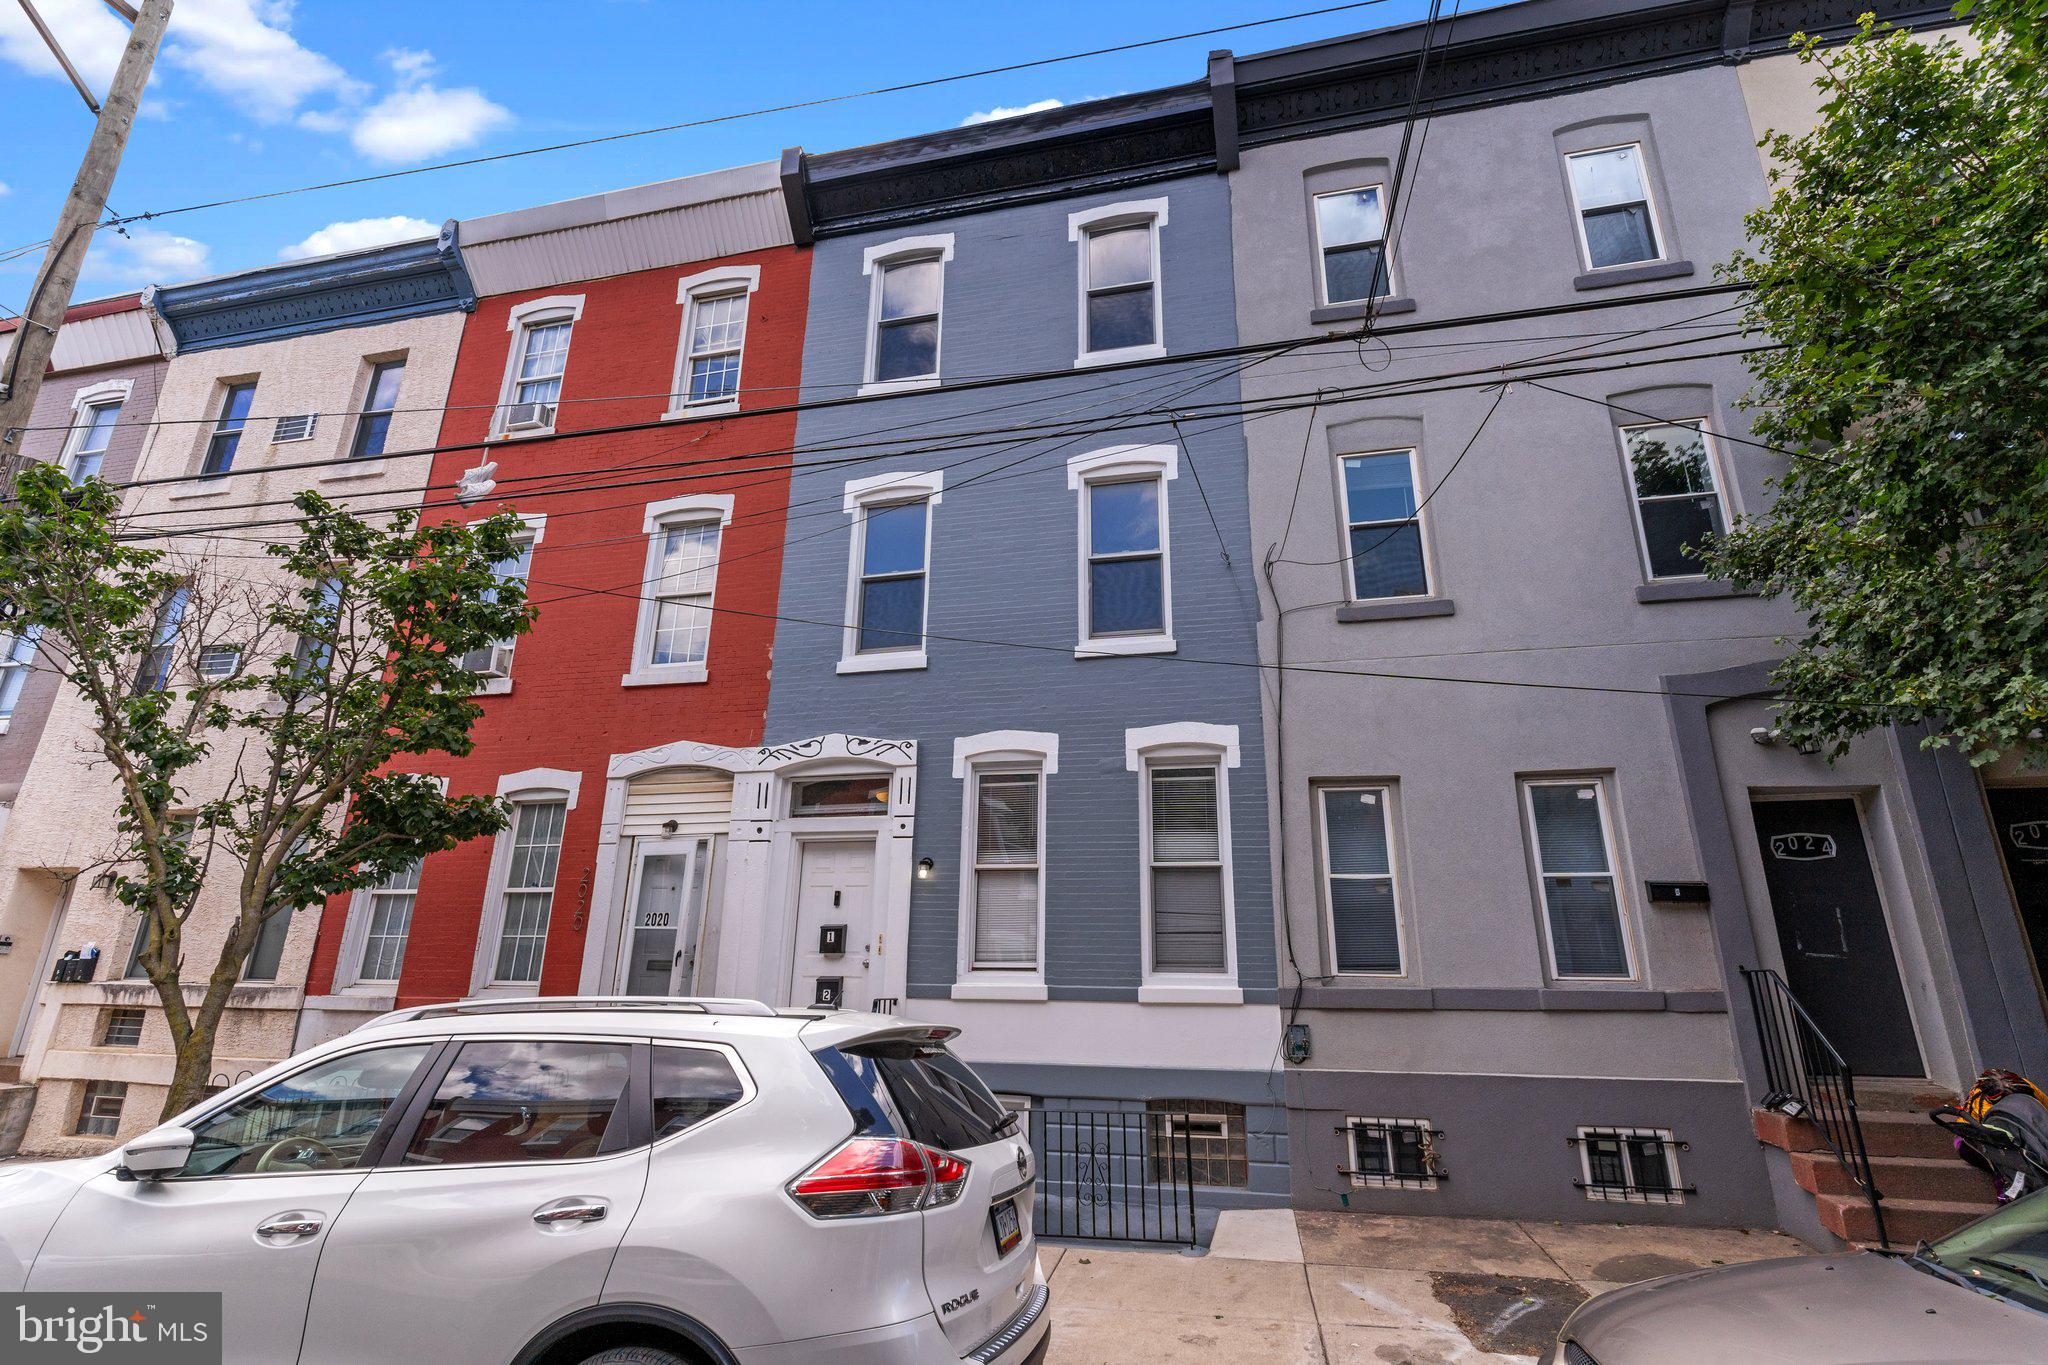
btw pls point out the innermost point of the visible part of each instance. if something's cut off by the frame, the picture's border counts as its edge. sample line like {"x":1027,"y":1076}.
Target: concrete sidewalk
{"x":1290,"y":1288}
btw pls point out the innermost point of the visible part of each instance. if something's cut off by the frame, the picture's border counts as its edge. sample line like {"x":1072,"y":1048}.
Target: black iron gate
{"x":1117,"y":1175}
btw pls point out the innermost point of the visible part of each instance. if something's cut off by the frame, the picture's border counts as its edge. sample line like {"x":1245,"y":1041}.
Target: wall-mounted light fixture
{"x":925,"y":868}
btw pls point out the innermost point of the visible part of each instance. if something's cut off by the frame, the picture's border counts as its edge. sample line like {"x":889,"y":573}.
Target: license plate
{"x":1003,"y":1217}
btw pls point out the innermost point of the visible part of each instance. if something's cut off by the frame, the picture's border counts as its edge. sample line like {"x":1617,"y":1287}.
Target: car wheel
{"x":635,"y":1355}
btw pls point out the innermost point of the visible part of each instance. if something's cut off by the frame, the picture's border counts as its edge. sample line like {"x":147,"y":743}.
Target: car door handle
{"x":289,"y":1225}
{"x":569,"y":1211}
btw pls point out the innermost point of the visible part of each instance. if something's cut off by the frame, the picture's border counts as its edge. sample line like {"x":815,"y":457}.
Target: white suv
{"x":571,"y":1181}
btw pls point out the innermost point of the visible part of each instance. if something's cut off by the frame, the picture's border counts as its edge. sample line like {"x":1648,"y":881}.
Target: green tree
{"x":1902,"y":265}
{"x":246,"y":715}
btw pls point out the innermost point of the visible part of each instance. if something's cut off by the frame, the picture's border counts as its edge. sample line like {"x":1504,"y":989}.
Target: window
{"x":536,"y":849}
{"x":218,"y":663}
{"x":1365,"y":921}
{"x":682,"y":615}
{"x":1384,"y":527}
{"x":1204,"y":1137}
{"x":1351,"y":236}
{"x":390,"y":924}
{"x":1008,"y":860}
{"x":1630,"y":1165}
{"x":89,"y":440}
{"x":297,"y":427}
{"x":494,"y":661}
{"x":904,"y":306}
{"x":1678,"y":506}
{"x":1126,"y":601}
{"x":99,"y":1108}
{"x":536,"y":363}
{"x":154,"y":674}
{"x":17,"y":655}
{"x":1617,"y":225}
{"x":320,"y":1119}
{"x":1393,"y":1154}
{"x":315,"y":648}
{"x":690,"y":1085}
{"x":380,"y":399}
{"x":508,"y":1100}
{"x":842,"y":796}
{"x":1185,"y":849}
{"x":1120,"y":309}
{"x":892,"y":576}
{"x":543,"y":358}
{"x":182,"y":829}
{"x":227,"y":429}
{"x":1575,"y":866}
{"x":718,"y":334}
{"x":268,"y":954}
{"x":121,"y":1028}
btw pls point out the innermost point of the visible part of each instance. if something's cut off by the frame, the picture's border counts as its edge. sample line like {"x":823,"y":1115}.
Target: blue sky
{"x":254,"y":95}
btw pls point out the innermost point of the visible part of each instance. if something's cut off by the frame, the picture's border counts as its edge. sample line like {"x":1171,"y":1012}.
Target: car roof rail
{"x":548,"y":1004}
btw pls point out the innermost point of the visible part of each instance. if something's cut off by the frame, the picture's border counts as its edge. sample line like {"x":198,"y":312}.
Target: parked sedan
{"x":1977,"y":1297}
{"x":570,"y":1182}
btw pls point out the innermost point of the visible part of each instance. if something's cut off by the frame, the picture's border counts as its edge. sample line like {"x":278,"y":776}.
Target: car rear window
{"x":916,"y":1091}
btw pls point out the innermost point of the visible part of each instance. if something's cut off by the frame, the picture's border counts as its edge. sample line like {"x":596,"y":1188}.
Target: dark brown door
{"x":1832,"y":932}
{"x":2020,"y":817}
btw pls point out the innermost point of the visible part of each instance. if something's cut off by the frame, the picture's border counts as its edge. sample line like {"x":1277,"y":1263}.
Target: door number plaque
{"x":830,"y":991}
{"x":832,"y":938}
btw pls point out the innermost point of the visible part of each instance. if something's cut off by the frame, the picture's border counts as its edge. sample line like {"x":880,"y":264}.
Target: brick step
{"x":1886,"y":1132}
{"x":1900,"y":1177}
{"x":1906,"y":1221}
{"x":1912,"y":1096}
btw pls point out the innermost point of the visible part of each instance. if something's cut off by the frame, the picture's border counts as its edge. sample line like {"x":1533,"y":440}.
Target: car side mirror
{"x":156,"y":1154}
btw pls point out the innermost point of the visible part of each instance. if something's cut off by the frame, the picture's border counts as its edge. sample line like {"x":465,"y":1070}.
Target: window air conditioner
{"x":529,"y":416}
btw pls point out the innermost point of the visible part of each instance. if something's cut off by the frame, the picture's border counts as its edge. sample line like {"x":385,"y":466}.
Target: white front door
{"x":660,"y":935}
{"x":835,"y":929}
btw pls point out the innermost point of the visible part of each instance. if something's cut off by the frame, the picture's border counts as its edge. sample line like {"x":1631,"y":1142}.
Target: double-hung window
{"x":380,"y":399}
{"x":887,"y":587}
{"x":542,"y":362}
{"x":529,"y":893}
{"x":1120,"y":311}
{"x":89,"y":440}
{"x":17,"y":654}
{"x":1574,"y":853}
{"x":494,"y":661}
{"x":539,"y":359}
{"x":227,"y":429}
{"x":1383,"y":526}
{"x":1126,"y":600}
{"x":390,"y":905}
{"x":673,"y":638}
{"x":1184,"y":852}
{"x":154,"y":673}
{"x":1617,"y":221}
{"x":1678,"y":502}
{"x":1358,"y":867}
{"x":905,"y":306}
{"x":1009,"y":864}
{"x":718,"y":335}
{"x":1351,"y":239}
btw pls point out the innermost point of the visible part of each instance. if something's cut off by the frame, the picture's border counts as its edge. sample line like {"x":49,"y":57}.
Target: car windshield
{"x":2005,"y":1253}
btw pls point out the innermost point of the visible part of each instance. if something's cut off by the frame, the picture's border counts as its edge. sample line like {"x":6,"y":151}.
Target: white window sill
{"x":494,"y":687}
{"x":724,"y":407}
{"x":371,"y":468}
{"x":5,"y":721}
{"x":1190,"y":995}
{"x":1155,"y":351}
{"x":495,"y":990}
{"x":216,"y":489}
{"x":896,"y":662}
{"x":665,"y":675}
{"x":1116,"y":647}
{"x":911,"y":384}
{"x":523,"y":434}
{"x":1024,"y":988}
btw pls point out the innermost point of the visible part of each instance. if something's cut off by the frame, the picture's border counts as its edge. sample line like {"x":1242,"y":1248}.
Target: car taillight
{"x":867,"y":1176}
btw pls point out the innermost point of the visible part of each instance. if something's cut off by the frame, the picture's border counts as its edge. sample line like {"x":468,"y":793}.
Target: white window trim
{"x":1316,"y":229}
{"x":1111,"y":465}
{"x":536,"y":529}
{"x":1622,"y":905}
{"x":999,"y":751}
{"x":1635,"y":500}
{"x":356,"y":927}
{"x":1429,"y":580}
{"x":1325,"y":876}
{"x":659,"y":518}
{"x":1185,"y":743}
{"x":874,"y":263}
{"x":1129,"y":213}
{"x":860,"y":496}
{"x":691,"y":291}
{"x":1657,"y":233}
{"x":554,"y":308}
{"x":1360,"y":1180}
{"x":531,"y":785}
{"x":1611,"y":1196}
{"x":107,"y":391}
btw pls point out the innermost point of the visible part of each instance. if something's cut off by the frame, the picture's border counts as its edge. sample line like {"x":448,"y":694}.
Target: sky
{"x":256,"y":95}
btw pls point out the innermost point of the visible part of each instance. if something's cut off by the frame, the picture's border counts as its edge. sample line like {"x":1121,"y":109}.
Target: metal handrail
{"x":1802,"y":1066}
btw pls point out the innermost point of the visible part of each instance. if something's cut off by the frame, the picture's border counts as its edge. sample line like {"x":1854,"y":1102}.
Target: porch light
{"x":925,"y":868}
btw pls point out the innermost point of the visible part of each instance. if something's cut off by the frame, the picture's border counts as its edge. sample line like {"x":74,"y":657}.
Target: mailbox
{"x":1677,"y":893}
{"x":831,"y":938}
{"x":830,"y":991}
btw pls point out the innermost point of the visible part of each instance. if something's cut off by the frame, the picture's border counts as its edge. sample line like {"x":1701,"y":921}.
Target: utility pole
{"x":21,"y":375}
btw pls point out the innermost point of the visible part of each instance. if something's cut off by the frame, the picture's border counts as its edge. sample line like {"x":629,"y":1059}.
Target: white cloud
{"x":146,"y":256}
{"x":421,"y":121}
{"x":1010,"y":111}
{"x":6,"y":188}
{"x":88,"y":31}
{"x":244,"y":49}
{"x":357,"y":233}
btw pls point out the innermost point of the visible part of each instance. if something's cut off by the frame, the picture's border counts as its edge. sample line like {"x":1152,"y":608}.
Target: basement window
{"x":99,"y":1108}
{"x":1630,"y":1165}
{"x":1205,"y":1135}
{"x":1393,"y":1154}
{"x":121,"y":1028}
